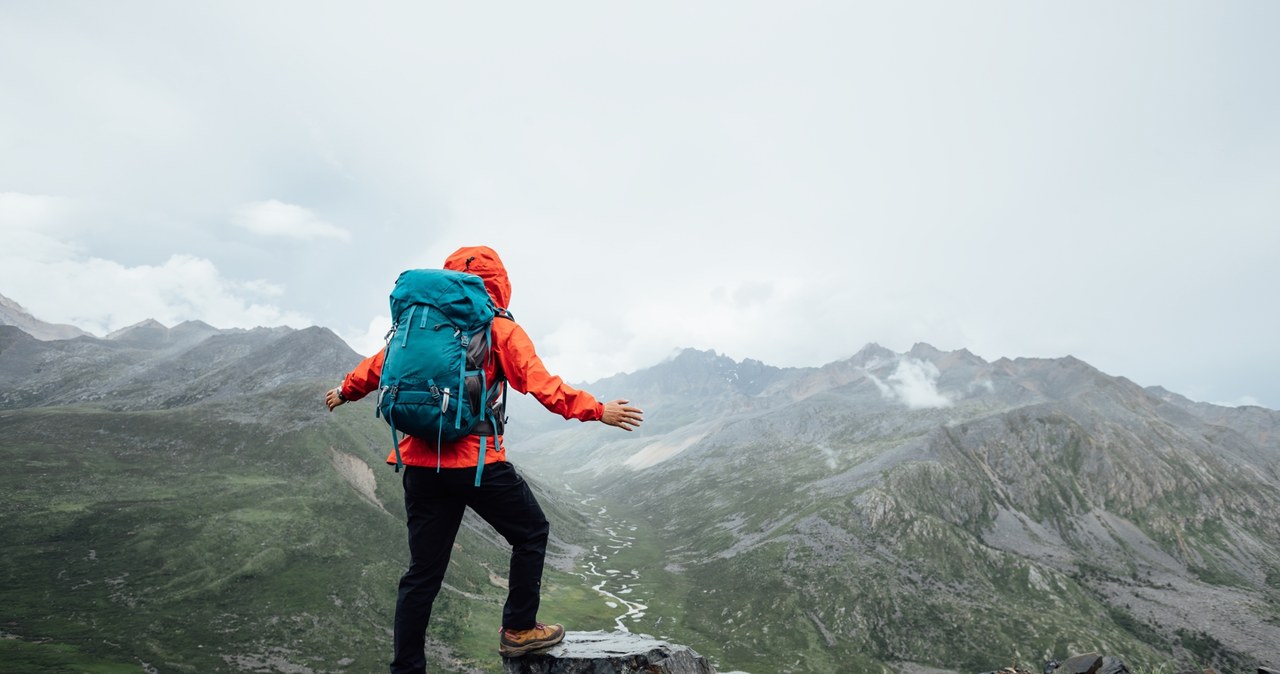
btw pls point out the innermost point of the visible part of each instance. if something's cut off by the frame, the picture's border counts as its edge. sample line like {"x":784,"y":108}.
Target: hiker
{"x":440,"y":482}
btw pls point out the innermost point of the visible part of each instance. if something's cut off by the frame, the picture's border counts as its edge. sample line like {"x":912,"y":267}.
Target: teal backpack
{"x":433,"y":382}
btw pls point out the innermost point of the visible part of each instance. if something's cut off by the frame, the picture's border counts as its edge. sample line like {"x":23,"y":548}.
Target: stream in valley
{"x":615,"y":585}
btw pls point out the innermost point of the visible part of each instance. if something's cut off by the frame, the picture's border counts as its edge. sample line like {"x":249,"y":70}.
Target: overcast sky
{"x":784,"y":181}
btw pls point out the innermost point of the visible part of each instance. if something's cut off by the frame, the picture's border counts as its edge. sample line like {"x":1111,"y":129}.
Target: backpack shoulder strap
{"x":499,"y":376}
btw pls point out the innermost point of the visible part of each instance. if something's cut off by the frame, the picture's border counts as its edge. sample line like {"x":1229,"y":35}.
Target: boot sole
{"x":515,"y":651}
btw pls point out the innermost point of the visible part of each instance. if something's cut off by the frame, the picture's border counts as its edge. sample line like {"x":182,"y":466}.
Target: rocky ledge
{"x":625,"y":653}
{"x":610,"y":653}
{"x":1092,"y":663}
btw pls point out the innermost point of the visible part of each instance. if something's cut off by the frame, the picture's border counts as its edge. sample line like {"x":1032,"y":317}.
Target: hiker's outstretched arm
{"x":620,"y":413}
{"x":358,"y":383}
{"x":526,"y":374}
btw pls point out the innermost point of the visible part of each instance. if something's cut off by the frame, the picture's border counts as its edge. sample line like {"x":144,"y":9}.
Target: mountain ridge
{"x":1128,"y":501}
{"x":922,"y":507}
{"x":12,"y":313}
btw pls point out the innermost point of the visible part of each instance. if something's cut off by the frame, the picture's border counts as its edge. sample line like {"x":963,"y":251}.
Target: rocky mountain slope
{"x":938,"y":509}
{"x":178,"y":498}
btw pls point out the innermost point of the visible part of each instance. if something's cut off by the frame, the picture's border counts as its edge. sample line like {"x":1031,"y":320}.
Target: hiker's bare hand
{"x":620,"y":413}
{"x":332,"y":399}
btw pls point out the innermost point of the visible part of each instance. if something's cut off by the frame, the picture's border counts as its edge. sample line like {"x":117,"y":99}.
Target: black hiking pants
{"x":434,"y":502}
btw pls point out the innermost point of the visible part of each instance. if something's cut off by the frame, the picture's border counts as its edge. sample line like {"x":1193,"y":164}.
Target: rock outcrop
{"x":1087,"y":663}
{"x":1092,"y":663}
{"x":610,"y":653}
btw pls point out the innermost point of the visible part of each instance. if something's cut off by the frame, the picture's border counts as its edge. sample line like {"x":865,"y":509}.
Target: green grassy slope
{"x":190,"y":542}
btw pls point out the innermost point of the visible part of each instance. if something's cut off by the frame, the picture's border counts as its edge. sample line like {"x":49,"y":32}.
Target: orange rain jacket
{"x":519,"y":361}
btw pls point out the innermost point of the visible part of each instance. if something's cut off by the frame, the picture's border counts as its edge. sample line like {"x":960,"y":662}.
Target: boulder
{"x":1113,"y":665}
{"x":1088,"y":663}
{"x":610,"y":653}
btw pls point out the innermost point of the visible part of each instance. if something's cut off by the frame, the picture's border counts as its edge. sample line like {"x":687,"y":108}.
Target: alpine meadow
{"x":177,"y":499}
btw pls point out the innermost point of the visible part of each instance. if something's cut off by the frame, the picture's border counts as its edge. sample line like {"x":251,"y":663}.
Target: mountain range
{"x":934,"y":508}
{"x":177,"y":499}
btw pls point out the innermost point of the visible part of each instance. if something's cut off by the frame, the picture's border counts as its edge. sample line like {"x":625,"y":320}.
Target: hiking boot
{"x":519,"y":642}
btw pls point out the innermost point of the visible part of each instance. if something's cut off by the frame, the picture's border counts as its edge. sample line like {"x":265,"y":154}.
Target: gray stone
{"x":1088,"y":663}
{"x":1113,"y":665}
{"x":610,"y":653}
{"x":1268,"y":670}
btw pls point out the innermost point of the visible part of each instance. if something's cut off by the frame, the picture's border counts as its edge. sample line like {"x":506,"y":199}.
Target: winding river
{"x":615,"y":585}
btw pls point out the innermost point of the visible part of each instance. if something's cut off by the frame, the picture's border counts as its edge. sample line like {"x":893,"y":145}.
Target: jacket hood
{"x":484,"y":262}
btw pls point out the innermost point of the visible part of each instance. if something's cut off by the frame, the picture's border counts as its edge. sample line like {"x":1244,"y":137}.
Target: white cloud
{"x":982,"y":385}
{"x":914,"y":181}
{"x":29,"y":221}
{"x":578,"y":351}
{"x":371,"y":339}
{"x":58,"y":283}
{"x":27,"y":210}
{"x":1242,"y":401}
{"x":277,"y":218}
{"x":100,"y":295}
{"x":914,"y":383}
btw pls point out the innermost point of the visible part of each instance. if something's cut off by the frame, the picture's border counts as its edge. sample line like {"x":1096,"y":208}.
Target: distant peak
{"x":924,"y":350}
{"x":149,"y":323}
{"x":149,"y":326}
{"x":9,"y":304}
{"x":690,"y":351}
{"x":12,"y":313}
{"x":689,"y":354}
{"x":872,"y":351}
{"x":193,"y":325}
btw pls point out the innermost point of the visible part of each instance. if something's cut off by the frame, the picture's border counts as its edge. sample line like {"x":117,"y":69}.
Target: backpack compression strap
{"x":484,"y":405}
{"x":392,"y":422}
{"x":484,"y":396}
